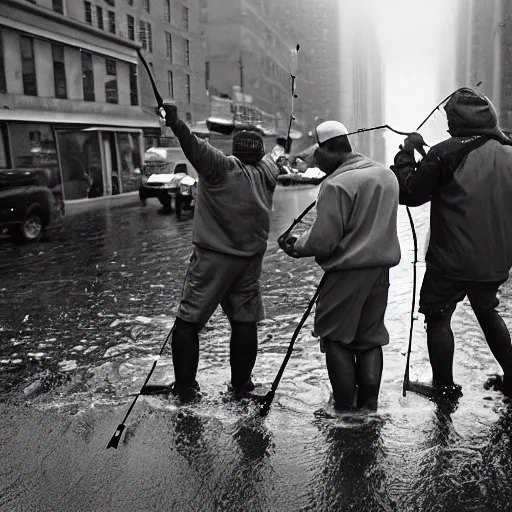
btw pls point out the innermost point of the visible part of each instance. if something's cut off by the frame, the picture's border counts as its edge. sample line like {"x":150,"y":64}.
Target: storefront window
{"x":129,"y":151}
{"x":33,"y":147}
{"x":82,"y":171}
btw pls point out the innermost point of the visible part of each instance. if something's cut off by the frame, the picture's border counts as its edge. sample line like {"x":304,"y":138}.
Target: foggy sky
{"x":417,"y":43}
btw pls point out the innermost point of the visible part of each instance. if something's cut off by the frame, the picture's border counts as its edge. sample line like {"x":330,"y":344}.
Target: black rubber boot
{"x":441,"y":347}
{"x":243,"y":349}
{"x":498,"y":338}
{"x":185,"y":359}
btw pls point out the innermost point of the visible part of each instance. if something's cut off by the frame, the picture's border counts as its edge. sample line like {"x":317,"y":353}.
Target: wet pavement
{"x":84,"y":312}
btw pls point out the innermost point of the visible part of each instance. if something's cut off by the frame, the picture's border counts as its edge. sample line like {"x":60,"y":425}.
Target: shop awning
{"x":133,"y":120}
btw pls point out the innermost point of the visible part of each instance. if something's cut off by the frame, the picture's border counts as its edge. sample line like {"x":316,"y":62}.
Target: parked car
{"x":303,"y":176}
{"x":27,"y":205}
{"x":168,"y":176}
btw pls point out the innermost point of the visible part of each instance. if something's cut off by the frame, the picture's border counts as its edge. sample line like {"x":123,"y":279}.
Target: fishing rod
{"x":269,"y":397}
{"x":114,"y":441}
{"x":158,"y":97}
{"x":292,"y":115}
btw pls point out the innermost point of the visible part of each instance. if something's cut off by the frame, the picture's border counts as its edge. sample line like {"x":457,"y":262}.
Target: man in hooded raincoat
{"x":468,"y":181}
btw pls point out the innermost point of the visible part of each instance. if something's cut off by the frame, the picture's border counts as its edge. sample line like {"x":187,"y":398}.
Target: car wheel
{"x":30,"y":230}
{"x":166,"y":203}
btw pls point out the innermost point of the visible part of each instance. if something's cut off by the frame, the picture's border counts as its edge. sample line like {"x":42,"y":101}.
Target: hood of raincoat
{"x":469,"y":112}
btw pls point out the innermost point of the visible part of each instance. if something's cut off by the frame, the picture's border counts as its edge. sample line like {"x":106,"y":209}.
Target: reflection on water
{"x":87,"y":310}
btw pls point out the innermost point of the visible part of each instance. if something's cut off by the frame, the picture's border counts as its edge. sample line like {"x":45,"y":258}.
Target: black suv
{"x":27,"y":204}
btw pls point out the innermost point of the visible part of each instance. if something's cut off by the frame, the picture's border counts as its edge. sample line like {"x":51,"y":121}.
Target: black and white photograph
{"x":255,"y":255}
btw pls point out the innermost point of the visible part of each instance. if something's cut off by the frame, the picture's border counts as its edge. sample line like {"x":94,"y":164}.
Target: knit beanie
{"x":248,"y":147}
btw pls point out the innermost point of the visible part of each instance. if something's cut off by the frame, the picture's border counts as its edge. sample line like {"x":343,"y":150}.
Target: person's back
{"x":471,"y":224}
{"x":354,"y":239}
{"x":230,"y":233}
{"x":368,"y":201}
{"x":468,"y":181}
{"x":232,"y":215}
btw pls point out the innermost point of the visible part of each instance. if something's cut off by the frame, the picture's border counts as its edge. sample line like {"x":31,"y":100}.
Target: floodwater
{"x":83,"y":314}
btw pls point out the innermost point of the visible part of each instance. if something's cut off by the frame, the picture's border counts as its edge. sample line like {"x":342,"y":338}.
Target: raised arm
{"x":210,"y":163}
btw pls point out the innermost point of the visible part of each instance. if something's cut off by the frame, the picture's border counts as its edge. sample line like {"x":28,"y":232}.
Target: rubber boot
{"x":243,"y":349}
{"x":498,"y":338}
{"x":341,"y":367}
{"x":185,"y":359}
{"x":369,"y":366}
{"x":441,"y":347}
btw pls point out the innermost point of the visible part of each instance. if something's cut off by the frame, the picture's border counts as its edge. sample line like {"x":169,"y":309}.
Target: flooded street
{"x":84,"y":312}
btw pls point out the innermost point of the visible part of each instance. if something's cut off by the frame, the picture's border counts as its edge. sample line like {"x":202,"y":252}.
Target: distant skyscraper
{"x":484,"y":59}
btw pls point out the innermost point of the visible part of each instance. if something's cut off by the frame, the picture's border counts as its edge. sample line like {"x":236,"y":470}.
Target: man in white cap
{"x":354,"y":239}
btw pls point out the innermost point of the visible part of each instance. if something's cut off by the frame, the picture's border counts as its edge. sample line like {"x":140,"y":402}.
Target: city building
{"x":340,"y":73}
{"x":249,"y":60}
{"x":71,"y":97}
{"x":169,"y":33}
{"x":484,"y":60}
{"x":362,"y":86}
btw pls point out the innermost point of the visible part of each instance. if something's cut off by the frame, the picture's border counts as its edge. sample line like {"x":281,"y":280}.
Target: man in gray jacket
{"x":354,"y":239}
{"x":230,"y":232}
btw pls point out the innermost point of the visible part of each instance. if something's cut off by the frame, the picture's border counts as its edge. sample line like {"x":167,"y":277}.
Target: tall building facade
{"x":484,"y":58}
{"x":71,"y":100}
{"x":340,"y":72}
{"x":169,"y":33}
{"x":362,"y":86}
{"x":249,"y":56}
{"x":315,"y":26}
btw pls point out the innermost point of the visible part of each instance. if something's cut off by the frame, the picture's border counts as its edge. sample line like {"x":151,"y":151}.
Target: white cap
{"x":330,"y":129}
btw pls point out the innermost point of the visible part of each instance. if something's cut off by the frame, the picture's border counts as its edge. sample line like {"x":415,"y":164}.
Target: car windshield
{"x":158,"y":167}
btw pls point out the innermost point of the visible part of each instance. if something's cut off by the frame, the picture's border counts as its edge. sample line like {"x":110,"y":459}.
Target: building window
{"x":111,"y":85}
{"x":3,"y":87}
{"x":168,"y":45}
{"x":99,"y":16}
{"x":185,"y":17}
{"x":28,"y":66}
{"x":170,"y":84}
{"x":130,"y":2}
{"x":134,"y":96}
{"x":186,"y":44}
{"x":59,"y":71}
{"x":87,"y":77}
{"x":207,"y":75}
{"x":145,"y":5}
{"x":88,"y":12}
{"x":112,"y":22}
{"x":167,"y":8}
{"x":187,"y":87}
{"x":145,"y":35}
{"x":58,"y":6}
{"x":131,"y":27}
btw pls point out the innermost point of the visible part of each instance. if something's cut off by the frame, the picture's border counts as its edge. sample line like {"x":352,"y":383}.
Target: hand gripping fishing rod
{"x":269,"y":397}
